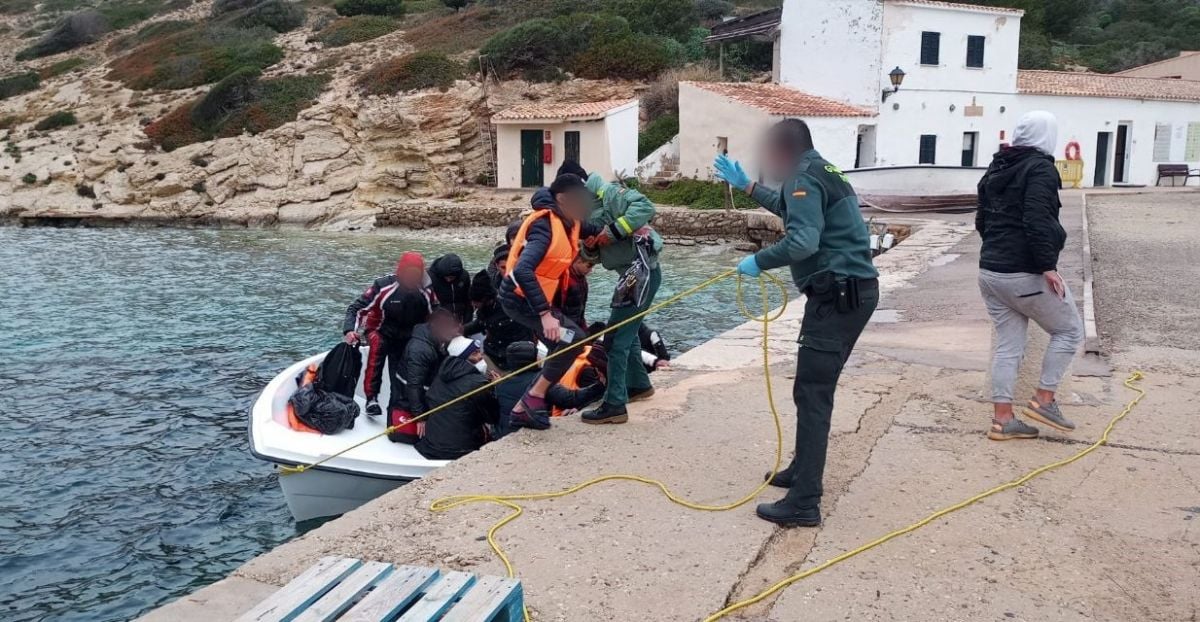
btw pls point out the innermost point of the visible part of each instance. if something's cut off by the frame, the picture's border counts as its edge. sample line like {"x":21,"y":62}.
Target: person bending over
{"x":1018,"y":274}
{"x":462,"y":427}
{"x":451,"y":285}
{"x":386,"y":314}
{"x":422,"y":357}
{"x":493,"y":323}
{"x":539,"y":265}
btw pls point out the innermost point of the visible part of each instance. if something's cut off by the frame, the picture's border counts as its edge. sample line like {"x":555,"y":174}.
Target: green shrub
{"x":149,"y":32}
{"x":538,"y":48}
{"x":424,"y":70}
{"x":11,"y":86}
{"x":29,"y":178}
{"x":456,"y":4}
{"x":713,"y":10}
{"x":274,"y":102}
{"x":671,"y":18}
{"x":656,"y":134}
{"x":390,"y":8}
{"x":55,"y":121}
{"x":234,"y":92}
{"x":16,"y":7}
{"x":194,"y":57}
{"x":77,"y":29}
{"x":61,"y":67}
{"x":278,"y":15}
{"x":356,"y":29}
{"x":638,"y":57}
{"x":221,"y":7}
{"x":122,"y":15}
{"x":697,"y":194}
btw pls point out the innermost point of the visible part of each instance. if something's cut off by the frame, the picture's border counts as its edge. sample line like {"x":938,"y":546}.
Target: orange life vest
{"x":307,"y":377}
{"x":570,"y":379}
{"x":554,"y":272}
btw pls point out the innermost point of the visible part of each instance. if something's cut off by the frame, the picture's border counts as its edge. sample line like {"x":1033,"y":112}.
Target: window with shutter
{"x":975,"y":51}
{"x":1162,"y":142}
{"x":930,"y":47}
{"x":1193,"y":143}
{"x":928,"y":154}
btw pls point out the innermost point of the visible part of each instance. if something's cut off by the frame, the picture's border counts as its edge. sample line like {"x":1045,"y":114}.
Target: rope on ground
{"x":510,"y":500}
{"x":1103,"y":440}
{"x":300,"y":468}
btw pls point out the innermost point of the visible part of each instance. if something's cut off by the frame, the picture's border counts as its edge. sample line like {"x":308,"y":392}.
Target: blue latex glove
{"x":731,"y":171}
{"x":749,"y":267}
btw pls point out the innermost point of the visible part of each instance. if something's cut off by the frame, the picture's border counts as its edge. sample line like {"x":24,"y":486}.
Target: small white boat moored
{"x":344,"y":482}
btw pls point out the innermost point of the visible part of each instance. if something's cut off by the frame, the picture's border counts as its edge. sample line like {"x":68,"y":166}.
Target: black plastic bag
{"x":635,"y":281}
{"x":324,"y":411}
{"x":339,"y":371}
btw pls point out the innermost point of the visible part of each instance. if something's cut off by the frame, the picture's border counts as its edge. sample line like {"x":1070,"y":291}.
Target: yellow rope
{"x":1134,"y":377}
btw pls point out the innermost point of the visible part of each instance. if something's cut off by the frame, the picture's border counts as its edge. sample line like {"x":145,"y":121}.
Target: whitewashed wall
{"x":832,"y":48}
{"x":622,"y":128}
{"x":902,"y":28}
{"x":593,"y":148}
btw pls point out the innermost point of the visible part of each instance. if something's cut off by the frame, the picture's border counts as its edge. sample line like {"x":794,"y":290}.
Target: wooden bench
{"x":345,"y":589}
{"x":1175,"y":171}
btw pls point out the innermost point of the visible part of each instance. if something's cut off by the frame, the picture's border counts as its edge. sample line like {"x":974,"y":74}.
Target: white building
{"x":960,"y":98}
{"x":532,"y":140}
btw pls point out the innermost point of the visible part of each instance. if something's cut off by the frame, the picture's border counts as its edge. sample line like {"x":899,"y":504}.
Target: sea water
{"x":128,"y":360}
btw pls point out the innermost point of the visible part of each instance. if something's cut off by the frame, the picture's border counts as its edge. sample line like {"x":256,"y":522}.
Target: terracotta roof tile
{"x":575,"y":111}
{"x":781,"y":101}
{"x":962,"y":6}
{"x":1081,"y":84}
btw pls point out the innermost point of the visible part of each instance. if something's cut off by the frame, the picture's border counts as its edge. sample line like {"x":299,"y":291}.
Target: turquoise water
{"x":128,"y":358}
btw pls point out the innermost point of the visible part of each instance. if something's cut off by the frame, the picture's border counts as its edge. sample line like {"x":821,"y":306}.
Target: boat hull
{"x":317,"y":493}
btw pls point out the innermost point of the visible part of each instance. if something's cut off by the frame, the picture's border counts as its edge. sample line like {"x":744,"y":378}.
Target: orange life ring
{"x":1073,"y":151}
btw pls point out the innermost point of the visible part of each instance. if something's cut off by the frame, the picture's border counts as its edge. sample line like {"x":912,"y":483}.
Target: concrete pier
{"x":1107,"y":538}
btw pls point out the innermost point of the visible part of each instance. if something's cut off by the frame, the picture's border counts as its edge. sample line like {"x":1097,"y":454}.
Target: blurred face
{"x":777,"y":163}
{"x":445,"y":329}
{"x":576,"y":204}
{"x":581,"y":267}
{"x":410,"y":278}
{"x":502,"y":267}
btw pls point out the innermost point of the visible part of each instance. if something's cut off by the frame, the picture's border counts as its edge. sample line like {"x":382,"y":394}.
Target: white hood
{"x":1038,"y":129}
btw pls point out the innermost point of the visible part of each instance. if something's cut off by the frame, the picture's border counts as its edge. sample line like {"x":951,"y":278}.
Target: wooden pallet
{"x":344,"y":589}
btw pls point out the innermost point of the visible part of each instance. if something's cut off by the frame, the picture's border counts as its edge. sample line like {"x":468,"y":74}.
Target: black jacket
{"x":1018,"y":213}
{"x":498,"y":330}
{"x":456,"y":294}
{"x":422,"y":356}
{"x":457,"y":430}
{"x":575,"y":299}
{"x":387,"y":307}
{"x":537,"y":241}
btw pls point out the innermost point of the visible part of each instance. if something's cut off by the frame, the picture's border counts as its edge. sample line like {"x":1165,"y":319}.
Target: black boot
{"x":606,"y":413}
{"x":373,"y":409}
{"x":782,"y":479}
{"x":786,"y":515}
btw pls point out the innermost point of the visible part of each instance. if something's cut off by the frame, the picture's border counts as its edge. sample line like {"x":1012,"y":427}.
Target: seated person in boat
{"x":461,"y":427}
{"x":451,"y":284}
{"x":498,"y":269}
{"x":493,"y":323}
{"x":384,"y":317}
{"x":518,"y":355}
{"x":583,"y":383}
{"x":420,"y":363}
{"x":575,"y":299}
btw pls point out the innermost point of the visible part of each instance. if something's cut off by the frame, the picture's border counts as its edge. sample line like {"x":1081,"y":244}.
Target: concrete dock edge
{"x":1091,"y":337}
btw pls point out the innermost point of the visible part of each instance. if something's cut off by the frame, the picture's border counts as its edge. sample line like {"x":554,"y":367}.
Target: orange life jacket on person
{"x":307,"y":377}
{"x":570,"y":379}
{"x":554,"y":272}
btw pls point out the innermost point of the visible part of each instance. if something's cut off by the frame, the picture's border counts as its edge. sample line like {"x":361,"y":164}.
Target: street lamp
{"x":897,"y":78}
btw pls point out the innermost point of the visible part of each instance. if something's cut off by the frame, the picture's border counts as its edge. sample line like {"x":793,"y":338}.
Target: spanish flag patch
{"x":800,"y":194}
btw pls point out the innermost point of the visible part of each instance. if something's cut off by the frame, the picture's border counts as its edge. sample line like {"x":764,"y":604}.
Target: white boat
{"x":344,"y":482}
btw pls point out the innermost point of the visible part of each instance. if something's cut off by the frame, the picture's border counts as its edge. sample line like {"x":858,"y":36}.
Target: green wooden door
{"x":532,"y":171}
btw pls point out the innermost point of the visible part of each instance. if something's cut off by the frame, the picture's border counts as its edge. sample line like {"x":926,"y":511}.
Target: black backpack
{"x":339,"y":371}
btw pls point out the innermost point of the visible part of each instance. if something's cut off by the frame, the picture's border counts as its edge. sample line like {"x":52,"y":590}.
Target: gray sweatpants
{"x":1014,"y":299}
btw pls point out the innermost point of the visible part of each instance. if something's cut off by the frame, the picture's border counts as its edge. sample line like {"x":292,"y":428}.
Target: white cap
{"x":462,"y":347}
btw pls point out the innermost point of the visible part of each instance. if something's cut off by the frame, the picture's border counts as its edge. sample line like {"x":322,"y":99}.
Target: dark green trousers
{"x":625,"y":370}
{"x":826,"y":340}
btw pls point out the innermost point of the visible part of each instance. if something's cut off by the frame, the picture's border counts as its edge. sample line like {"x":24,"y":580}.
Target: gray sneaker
{"x":1048,"y":414}
{"x":1012,"y":429}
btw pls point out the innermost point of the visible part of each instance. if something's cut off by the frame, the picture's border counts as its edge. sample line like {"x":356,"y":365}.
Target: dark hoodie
{"x":1018,"y":213}
{"x":537,"y":241}
{"x":457,"y":430}
{"x":453,"y":295}
{"x":422,"y":356}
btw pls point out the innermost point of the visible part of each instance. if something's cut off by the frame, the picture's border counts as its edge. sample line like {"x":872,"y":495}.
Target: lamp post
{"x":896,"y":76}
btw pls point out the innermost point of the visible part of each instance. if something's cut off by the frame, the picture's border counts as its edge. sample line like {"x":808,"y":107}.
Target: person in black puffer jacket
{"x":497,"y":328}
{"x":451,"y":285}
{"x":459,"y":428}
{"x":422,"y":357}
{"x":1018,"y":273}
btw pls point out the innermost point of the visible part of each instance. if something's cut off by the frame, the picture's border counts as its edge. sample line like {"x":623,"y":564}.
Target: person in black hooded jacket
{"x":451,"y":285}
{"x":1018,"y":274}
{"x":497,"y":328}
{"x":422,"y":356}
{"x":459,"y":428}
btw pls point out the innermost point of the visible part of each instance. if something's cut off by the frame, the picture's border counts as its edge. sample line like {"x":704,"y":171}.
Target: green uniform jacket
{"x":622,"y":211}
{"x":824,"y":230}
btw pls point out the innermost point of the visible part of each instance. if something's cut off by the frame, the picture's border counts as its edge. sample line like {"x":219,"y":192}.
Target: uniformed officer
{"x":826,"y":245}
